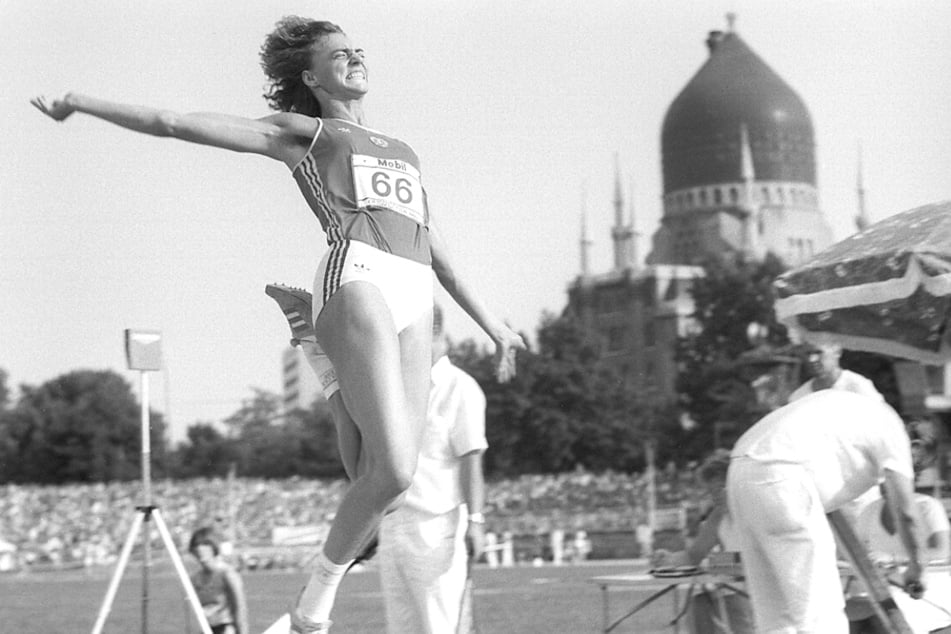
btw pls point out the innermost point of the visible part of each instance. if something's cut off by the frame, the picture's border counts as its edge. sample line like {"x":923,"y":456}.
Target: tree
{"x":733,"y":294}
{"x":4,"y":390}
{"x":566,"y":407}
{"x":207,"y":453}
{"x":83,"y":426}
{"x":263,"y":441}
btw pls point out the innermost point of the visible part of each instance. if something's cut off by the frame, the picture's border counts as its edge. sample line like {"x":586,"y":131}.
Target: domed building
{"x":739,"y":176}
{"x":739,"y":164}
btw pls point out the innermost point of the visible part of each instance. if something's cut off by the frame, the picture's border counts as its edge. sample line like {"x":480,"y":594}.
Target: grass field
{"x":548,"y":599}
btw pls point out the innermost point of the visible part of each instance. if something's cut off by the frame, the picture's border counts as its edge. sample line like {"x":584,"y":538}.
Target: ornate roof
{"x":700,"y":139}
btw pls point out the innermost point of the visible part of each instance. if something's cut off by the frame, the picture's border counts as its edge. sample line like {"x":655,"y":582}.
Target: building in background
{"x":739,"y":176}
{"x":298,"y":381}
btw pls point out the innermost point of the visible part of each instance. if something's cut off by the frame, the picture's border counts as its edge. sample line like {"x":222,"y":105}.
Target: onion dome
{"x":700,"y":139}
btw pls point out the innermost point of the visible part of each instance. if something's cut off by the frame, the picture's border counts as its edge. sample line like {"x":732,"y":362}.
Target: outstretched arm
{"x":507,"y":341}
{"x":282,"y":136}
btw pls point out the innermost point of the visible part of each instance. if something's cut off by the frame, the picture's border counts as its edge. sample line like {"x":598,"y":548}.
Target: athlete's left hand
{"x":507,"y":344}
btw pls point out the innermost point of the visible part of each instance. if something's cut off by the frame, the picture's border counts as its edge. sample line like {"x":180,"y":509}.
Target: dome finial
{"x":730,"y":21}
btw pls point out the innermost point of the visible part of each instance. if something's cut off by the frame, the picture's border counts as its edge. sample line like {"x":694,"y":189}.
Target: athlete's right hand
{"x":507,"y":344}
{"x":57,"y":108}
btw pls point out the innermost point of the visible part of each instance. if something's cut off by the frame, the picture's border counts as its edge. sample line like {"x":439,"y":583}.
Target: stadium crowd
{"x":86,"y":524}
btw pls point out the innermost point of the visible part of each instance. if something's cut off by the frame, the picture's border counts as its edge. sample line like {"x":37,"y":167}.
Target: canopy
{"x":885,"y":290}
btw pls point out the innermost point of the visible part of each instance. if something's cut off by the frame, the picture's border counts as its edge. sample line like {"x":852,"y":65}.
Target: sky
{"x":517,"y":110}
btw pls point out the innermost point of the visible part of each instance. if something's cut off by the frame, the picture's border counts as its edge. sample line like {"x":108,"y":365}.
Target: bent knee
{"x":390,"y":482}
{"x":396,"y":503}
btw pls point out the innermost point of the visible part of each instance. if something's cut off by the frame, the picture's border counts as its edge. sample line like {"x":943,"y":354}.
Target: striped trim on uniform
{"x":296,"y":320}
{"x":334,"y":272}
{"x":323,"y":210}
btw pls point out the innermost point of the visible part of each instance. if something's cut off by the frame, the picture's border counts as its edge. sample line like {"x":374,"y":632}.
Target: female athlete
{"x":373,"y":289}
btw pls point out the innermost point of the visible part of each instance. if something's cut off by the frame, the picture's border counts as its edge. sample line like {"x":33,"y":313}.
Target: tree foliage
{"x":84,"y":426}
{"x":263,"y":441}
{"x":567,"y":407}
{"x":734,"y":294}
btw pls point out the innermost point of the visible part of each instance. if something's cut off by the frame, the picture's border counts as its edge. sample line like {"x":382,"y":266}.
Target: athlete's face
{"x":337,"y":69}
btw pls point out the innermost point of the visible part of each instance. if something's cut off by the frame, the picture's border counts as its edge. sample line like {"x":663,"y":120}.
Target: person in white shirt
{"x":823,"y":361}
{"x":786,"y":472}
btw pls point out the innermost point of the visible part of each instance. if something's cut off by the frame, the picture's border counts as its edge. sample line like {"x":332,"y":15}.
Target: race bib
{"x":389,"y":183}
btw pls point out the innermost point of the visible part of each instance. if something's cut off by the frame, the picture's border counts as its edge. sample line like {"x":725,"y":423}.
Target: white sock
{"x":318,"y":597}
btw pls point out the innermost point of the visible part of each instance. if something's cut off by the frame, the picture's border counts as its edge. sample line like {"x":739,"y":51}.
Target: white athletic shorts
{"x":406,"y":286}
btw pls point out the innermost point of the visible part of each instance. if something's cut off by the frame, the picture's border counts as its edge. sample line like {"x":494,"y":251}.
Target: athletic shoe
{"x":300,"y":624}
{"x":285,"y":625}
{"x":296,"y":305}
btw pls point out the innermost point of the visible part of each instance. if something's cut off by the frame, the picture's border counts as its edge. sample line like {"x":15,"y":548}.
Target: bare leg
{"x":349,"y":441}
{"x":384,"y":379}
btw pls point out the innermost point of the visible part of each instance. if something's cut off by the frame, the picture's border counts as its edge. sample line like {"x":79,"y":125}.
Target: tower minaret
{"x":585,"y":242}
{"x":749,"y":204}
{"x":635,"y":234}
{"x":861,"y":220}
{"x":622,"y":233}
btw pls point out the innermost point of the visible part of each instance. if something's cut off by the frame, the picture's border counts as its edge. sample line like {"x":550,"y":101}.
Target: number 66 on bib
{"x":389,"y":183}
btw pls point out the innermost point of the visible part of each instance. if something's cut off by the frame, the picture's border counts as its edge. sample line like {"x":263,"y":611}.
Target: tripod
{"x":145,"y":513}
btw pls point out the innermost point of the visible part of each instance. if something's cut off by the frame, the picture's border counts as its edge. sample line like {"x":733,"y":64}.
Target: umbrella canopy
{"x":885,"y":290}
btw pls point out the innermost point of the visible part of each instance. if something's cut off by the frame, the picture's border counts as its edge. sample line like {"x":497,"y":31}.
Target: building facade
{"x":299,"y":384}
{"x":739,"y":176}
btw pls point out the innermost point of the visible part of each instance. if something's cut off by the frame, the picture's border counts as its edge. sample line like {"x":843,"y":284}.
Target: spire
{"x":747,"y":170}
{"x":621,"y":233}
{"x":861,"y":220}
{"x":748,"y":204}
{"x":585,"y":241}
{"x":730,"y":22}
{"x":618,"y":195}
{"x":634,"y":255}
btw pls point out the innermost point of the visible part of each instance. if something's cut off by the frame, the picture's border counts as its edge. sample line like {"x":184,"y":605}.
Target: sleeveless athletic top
{"x":364,"y":185}
{"x":212,"y":590}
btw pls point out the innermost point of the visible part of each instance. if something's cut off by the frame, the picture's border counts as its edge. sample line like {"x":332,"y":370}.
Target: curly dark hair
{"x":285,"y":54}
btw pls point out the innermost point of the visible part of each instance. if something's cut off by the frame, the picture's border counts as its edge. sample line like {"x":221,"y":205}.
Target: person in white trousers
{"x":786,"y":472}
{"x":424,"y":544}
